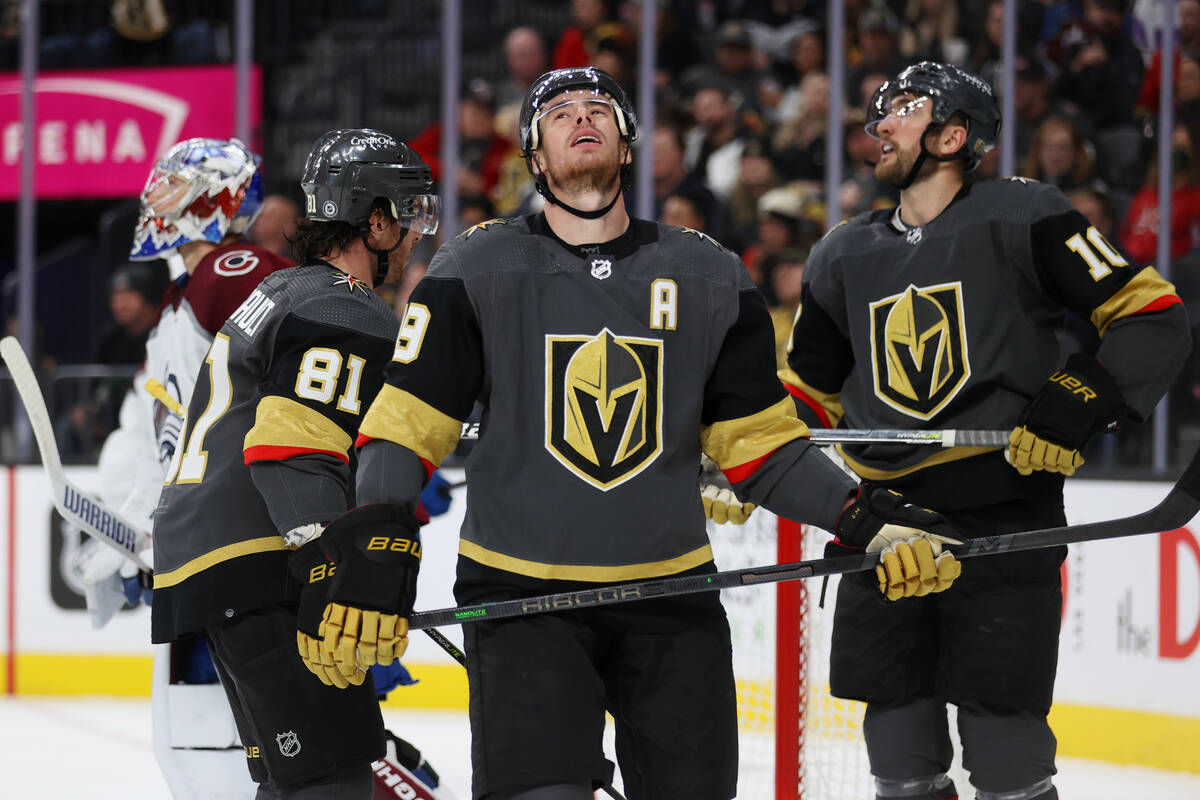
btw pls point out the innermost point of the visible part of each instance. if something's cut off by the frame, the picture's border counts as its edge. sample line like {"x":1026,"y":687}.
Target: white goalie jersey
{"x":136,"y":456}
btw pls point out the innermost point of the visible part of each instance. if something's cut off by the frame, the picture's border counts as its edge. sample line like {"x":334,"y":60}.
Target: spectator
{"x":592,"y":20}
{"x":1139,"y":232}
{"x":799,"y":142}
{"x":675,"y":49}
{"x":1188,"y":48}
{"x":785,"y":219}
{"x":808,"y":58}
{"x":1032,"y":102}
{"x":1059,"y":155}
{"x":714,"y":146}
{"x":878,"y":30}
{"x":275,"y":225}
{"x":671,"y":176}
{"x":784,"y":276}
{"x":756,"y":176}
{"x":482,"y":150}
{"x":685,"y":211}
{"x":930,"y":32}
{"x":133,"y":297}
{"x":525,"y":57}
{"x":735,"y":66}
{"x":1100,"y":69}
{"x":1097,"y":206}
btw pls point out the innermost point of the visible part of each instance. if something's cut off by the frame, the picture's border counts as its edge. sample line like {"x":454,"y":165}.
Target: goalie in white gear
{"x":198,"y":201}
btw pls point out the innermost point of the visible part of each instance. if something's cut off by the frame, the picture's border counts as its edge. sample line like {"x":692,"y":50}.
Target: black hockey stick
{"x":1175,"y":511}
{"x":823,"y":436}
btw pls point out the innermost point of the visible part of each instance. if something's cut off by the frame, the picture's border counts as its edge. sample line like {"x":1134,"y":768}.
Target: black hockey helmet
{"x":555,"y":82}
{"x":347,"y":169}
{"x":537,"y":103}
{"x":952,"y":90}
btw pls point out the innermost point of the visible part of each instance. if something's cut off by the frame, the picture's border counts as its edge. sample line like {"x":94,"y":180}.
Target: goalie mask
{"x":951,"y":90}
{"x":201,"y":190}
{"x":589,"y":85}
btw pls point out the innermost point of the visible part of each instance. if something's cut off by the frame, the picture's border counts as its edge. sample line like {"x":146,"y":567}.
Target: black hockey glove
{"x":1073,"y":405}
{"x":909,"y":537}
{"x":310,"y":569}
{"x":378,"y":553}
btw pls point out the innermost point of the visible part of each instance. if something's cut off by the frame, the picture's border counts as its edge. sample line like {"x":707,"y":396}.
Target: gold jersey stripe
{"x":405,"y":419}
{"x":733,"y":442}
{"x":164,"y":580}
{"x":831,"y":402}
{"x":583,"y":572}
{"x":940,"y":457}
{"x":283,"y":422}
{"x":1142,"y":290}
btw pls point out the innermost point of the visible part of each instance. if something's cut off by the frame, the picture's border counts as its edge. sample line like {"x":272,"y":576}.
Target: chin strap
{"x":626,"y":180}
{"x":381,"y":256}
{"x":916,"y":167}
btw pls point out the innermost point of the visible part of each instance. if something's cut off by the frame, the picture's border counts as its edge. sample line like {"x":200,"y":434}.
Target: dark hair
{"x":315,"y":239}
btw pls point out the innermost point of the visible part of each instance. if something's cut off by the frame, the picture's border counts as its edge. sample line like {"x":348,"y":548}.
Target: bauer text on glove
{"x":1073,"y":405}
{"x":377,"y":552}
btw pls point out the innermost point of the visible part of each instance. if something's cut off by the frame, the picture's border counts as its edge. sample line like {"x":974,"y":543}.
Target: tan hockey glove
{"x":1073,"y":405}
{"x":721,"y":505}
{"x":377,"y":553}
{"x":912,"y":563}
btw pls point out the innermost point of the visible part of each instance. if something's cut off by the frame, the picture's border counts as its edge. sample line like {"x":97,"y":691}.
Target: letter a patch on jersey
{"x":604,"y":405}
{"x":919,"y":348}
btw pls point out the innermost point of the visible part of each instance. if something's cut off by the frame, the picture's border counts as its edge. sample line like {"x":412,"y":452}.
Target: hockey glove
{"x":1074,"y":404}
{"x":436,"y":495}
{"x":372,"y":592}
{"x":721,"y":505}
{"x":310,"y":569}
{"x":909,"y":538}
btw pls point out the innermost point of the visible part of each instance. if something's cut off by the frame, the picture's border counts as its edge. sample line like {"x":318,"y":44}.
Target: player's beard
{"x":896,"y":170}
{"x":578,"y":176}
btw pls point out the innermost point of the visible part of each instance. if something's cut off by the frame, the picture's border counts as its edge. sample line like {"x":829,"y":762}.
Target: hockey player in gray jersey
{"x":607,"y":353}
{"x":943,"y":314}
{"x":266,"y":459}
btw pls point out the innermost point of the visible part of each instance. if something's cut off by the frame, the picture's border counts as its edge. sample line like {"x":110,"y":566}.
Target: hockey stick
{"x":76,"y":506}
{"x":943,"y":438}
{"x":1180,"y":505}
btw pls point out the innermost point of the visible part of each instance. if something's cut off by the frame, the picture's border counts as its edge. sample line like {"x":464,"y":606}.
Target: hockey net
{"x":795,"y":739}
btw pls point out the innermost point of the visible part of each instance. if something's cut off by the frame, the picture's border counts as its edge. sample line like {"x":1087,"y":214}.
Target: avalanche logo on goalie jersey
{"x":604,"y":405}
{"x":919,"y":348}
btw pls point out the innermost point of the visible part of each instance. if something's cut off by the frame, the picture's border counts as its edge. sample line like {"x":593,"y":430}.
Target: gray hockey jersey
{"x":602,"y":373}
{"x":955,"y":325}
{"x":268,"y":443}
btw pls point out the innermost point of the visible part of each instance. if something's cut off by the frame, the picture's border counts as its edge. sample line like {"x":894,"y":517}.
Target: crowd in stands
{"x":742,"y":98}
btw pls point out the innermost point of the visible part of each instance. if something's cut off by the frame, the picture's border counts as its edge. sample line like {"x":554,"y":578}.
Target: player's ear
{"x":535,"y":163}
{"x":627,"y":156}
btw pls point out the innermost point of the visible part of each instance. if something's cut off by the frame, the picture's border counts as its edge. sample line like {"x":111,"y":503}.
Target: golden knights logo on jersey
{"x":604,"y":405}
{"x":919,"y":348}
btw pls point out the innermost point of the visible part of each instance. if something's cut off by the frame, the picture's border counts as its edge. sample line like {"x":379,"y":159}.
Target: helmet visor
{"x":419,"y":212}
{"x":562,"y":111}
{"x":892,"y":102}
{"x":168,"y":193}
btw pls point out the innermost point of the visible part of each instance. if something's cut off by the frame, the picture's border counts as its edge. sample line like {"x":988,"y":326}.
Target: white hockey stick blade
{"x":824,"y":436}
{"x":75,"y":505}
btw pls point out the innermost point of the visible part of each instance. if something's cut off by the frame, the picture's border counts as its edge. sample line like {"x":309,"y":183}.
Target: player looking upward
{"x":608,"y":353}
{"x":942,"y":313}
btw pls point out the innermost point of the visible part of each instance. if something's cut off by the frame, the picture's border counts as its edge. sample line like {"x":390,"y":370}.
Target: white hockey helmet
{"x":201,"y":190}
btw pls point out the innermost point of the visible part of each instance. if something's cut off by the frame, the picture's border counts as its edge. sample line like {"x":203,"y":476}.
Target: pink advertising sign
{"x":98,"y":132}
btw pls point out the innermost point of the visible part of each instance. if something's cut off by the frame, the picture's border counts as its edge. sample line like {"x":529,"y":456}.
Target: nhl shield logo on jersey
{"x":289,"y":743}
{"x":919,"y":348}
{"x":601,"y":268}
{"x":604,"y":405}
